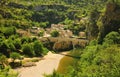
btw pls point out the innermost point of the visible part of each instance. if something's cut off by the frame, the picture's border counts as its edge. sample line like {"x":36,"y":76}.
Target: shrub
{"x":17,"y":43}
{"x":15,"y":55}
{"x":8,"y":31}
{"x":44,"y":24}
{"x":8,"y":72}
{"x":3,"y":60}
{"x":45,"y":51}
{"x":38,"y":48}
{"x":54,"y":33}
{"x":41,"y":33}
{"x":28,"y":50}
{"x":26,"y":40}
{"x":112,"y":38}
{"x":93,"y":42}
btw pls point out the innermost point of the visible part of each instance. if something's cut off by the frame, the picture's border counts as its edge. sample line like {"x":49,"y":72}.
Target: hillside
{"x":30,"y":28}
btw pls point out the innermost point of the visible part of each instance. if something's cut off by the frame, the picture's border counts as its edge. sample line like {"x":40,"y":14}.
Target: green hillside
{"x":99,"y":20}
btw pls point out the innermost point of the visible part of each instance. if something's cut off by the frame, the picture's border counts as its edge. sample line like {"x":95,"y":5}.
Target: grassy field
{"x":68,"y":61}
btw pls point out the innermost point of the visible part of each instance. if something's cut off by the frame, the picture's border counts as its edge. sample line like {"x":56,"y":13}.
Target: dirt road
{"x":45,"y":66}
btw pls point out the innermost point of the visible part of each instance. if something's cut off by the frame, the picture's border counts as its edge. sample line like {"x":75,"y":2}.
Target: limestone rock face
{"x":110,"y":20}
{"x":63,"y":46}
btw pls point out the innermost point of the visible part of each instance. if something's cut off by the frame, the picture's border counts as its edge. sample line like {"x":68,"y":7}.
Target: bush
{"x":28,"y":50}
{"x":8,"y":72}
{"x":15,"y":55}
{"x":3,"y":60}
{"x":17,"y":43}
{"x":38,"y":48}
{"x":44,"y":24}
{"x":8,"y":31}
{"x":26,"y":40}
{"x":54,"y":33}
{"x":112,"y":38}
{"x":41,"y":33}
{"x":93,"y":43}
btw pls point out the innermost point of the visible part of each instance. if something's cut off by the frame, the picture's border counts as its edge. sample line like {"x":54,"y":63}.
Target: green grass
{"x":67,"y":61}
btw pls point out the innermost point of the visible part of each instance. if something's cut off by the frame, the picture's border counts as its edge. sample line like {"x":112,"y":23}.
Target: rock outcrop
{"x":110,"y":20}
{"x":60,"y":44}
{"x":63,"y":45}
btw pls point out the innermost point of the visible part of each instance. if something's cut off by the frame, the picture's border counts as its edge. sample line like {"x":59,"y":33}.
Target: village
{"x":63,"y":33}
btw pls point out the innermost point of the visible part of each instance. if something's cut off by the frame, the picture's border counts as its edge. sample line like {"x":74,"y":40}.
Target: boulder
{"x":29,"y":64}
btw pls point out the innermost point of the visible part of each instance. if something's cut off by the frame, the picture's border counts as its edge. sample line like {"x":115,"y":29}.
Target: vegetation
{"x":41,"y":33}
{"x":39,"y":48}
{"x":99,"y":19}
{"x":14,"y":56}
{"x":28,"y":50}
{"x":54,"y":33}
{"x":7,"y":72}
{"x":96,"y":60}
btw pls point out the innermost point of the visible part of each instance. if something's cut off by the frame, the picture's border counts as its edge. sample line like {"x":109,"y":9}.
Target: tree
{"x":4,"y":2}
{"x":38,"y":48}
{"x":3,"y":60}
{"x":41,"y":33}
{"x":28,"y":50}
{"x":17,"y":43}
{"x":92,"y":28}
{"x":54,"y":33}
{"x":15,"y":55}
{"x":8,"y":31}
{"x":112,"y":38}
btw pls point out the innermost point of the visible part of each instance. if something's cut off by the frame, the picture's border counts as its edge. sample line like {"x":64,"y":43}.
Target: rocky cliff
{"x":110,"y":20}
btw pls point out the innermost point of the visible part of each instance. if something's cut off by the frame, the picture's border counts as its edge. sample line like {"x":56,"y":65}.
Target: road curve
{"x":45,"y":66}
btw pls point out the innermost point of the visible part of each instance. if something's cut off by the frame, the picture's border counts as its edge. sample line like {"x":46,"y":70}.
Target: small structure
{"x":82,"y":34}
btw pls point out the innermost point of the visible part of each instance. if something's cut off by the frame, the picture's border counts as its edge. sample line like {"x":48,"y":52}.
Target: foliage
{"x":17,"y":43}
{"x":54,"y":33}
{"x":8,"y":31}
{"x":38,"y":48}
{"x":77,"y":15}
{"x":54,"y":74}
{"x":41,"y":33}
{"x":44,"y":24}
{"x":3,"y":61}
{"x":4,"y":2}
{"x":112,"y":38}
{"x":92,"y":28}
{"x":15,"y":55}
{"x":28,"y":50}
{"x":8,"y":72}
{"x":95,"y":61}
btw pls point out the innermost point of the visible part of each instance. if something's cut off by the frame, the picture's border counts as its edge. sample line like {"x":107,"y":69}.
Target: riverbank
{"x":49,"y":63}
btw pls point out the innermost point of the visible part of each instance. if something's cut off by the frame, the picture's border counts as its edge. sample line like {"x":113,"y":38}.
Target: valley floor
{"x":45,"y":66}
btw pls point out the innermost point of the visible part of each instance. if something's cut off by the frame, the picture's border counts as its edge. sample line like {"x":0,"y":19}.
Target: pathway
{"x":47,"y":66}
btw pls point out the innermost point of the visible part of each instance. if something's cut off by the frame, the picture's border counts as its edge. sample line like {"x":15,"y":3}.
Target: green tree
{"x":3,"y":60}
{"x":14,"y":55}
{"x":17,"y":43}
{"x":112,"y":38}
{"x":38,"y":48}
{"x":41,"y":33}
{"x":92,"y":28}
{"x":8,"y":31}
{"x":28,"y":50}
{"x":54,"y":33}
{"x":4,"y":2}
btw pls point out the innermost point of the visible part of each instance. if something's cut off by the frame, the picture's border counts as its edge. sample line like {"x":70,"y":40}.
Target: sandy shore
{"x":45,"y":66}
